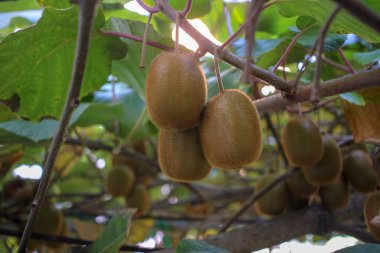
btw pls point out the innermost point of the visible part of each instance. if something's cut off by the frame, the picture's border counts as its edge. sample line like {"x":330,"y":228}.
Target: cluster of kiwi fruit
{"x":324,"y":175}
{"x":194,"y":136}
{"x":127,"y":179}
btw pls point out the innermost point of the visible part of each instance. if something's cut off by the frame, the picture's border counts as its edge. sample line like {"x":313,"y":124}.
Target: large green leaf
{"x":195,"y":246}
{"x":362,"y":248}
{"x":320,"y":10}
{"x":40,"y":72}
{"x":19,"y":5}
{"x":367,"y":57}
{"x":332,"y":41}
{"x":113,"y":235}
{"x":33,"y":133}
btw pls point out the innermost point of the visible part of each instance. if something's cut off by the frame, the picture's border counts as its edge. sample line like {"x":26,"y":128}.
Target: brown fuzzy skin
{"x":230,"y":130}
{"x":120,"y":180}
{"x":328,"y":170}
{"x":357,"y":168}
{"x":181,"y":157}
{"x":275,"y":201}
{"x":335,"y":196}
{"x":176,"y":91}
{"x":371,"y":210}
{"x":302,"y":142}
{"x":299,"y":186}
{"x":139,"y":198}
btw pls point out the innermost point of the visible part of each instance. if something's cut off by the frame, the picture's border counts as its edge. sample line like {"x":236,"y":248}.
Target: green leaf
{"x":59,"y":4}
{"x":195,"y":246}
{"x":320,"y":10}
{"x":113,"y":235}
{"x":332,"y":41}
{"x":362,"y":248}
{"x":19,"y":5}
{"x":304,"y":22}
{"x":16,"y":23}
{"x":32,"y":133}
{"x":367,"y":57}
{"x":199,"y":8}
{"x":353,"y":98}
{"x":261,"y":47}
{"x":40,"y":72}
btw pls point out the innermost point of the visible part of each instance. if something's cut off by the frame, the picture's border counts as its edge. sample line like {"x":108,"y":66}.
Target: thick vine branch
{"x":225,"y":55}
{"x":361,"y":12}
{"x":329,"y":88}
{"x":86,"y":16}
{"x":311,"y":220}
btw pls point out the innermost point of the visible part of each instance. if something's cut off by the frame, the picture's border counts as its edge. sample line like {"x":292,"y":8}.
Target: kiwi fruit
{"x":139,"y":198}
{"x":49,"y":221}
{"x":371,"y":210}
{"x":328,"y":170}
{"x":357,"y":168}
{"x":335,"y":196}
{"x":180,"y":155}
{"x":230,"y":130}
{"x":299,"y":186}
{"x":275,"y":201}
{"x":302,"y":142}
{"x":176,"y":91}
{"x":119,"y":181}
{"x":123,"y":160}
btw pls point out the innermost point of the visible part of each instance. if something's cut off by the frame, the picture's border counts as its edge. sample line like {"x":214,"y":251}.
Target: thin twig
{"x":177,"y":23}
{"x":315,"y":94}
{"x":145,"y":38}
{"x":361,"y":12}
{"x":225,"y":55}
{"x":346,"y":61}
{"x":335,"y":64}
{"x":228,"y":19}
{"x":252,"y":17}
{"x":137,"y":38}
{"x":268,"y":120}
{"x":187,"y":9}
{"x":153,"y":9}
{"x":249,"y":202}
{"x":217,"y":70}
{"x":86,"y":16}
{"x":287,"y":51}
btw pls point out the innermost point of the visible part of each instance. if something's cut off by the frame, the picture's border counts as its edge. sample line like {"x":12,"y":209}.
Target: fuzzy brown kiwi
{"x":176,"y":90}
{"x":371,"y":210}
{"x":230,"y":130}
{"x":335,"y":196}
{"x":123,"y":160}
{"x":357,"y":168}
{"x":299,"y":186}
{"x":49,"y":221}
{"x":180,"y":155}
{"x":302,"y":142}
{"x":119,"y":181}
{"x":275,"y":201}
{"x":328,"y":170}
{"x":139,"y":198}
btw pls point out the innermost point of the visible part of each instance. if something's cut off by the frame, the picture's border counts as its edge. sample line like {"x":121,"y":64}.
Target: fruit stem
{"x":145,"y":38}
{"x":217,"y":70}
{"x":315,"y":93}
{"x":153,"y":9}
{"x":177,"y":21}
{"x":346,"y":61}
{"x":187,"y":9}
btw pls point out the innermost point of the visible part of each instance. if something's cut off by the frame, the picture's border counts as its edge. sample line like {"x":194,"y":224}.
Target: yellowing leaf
{"x":140,"y":230}
{"x":364,"y":121}
{"x":87,"y":230}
